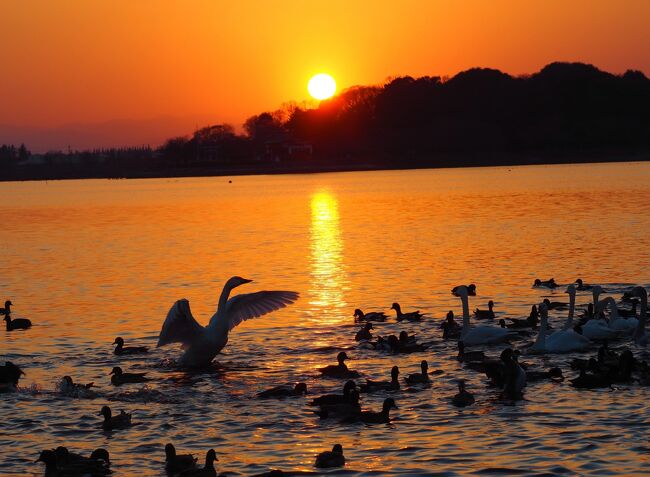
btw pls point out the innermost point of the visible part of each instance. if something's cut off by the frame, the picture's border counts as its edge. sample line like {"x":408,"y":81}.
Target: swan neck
{"x":640,"y":327}
{"x":465,"y":302}
{"x":572,"y":308}
{"x":541,"y":337}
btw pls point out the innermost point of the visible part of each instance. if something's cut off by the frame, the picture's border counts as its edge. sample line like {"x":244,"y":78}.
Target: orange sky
{"x":85,"y":61}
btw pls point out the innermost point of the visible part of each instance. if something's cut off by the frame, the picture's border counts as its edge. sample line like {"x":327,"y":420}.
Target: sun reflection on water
{"x":329,"y":278}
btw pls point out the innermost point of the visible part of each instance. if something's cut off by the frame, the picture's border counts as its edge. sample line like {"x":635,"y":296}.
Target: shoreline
{"x":72,"y":172}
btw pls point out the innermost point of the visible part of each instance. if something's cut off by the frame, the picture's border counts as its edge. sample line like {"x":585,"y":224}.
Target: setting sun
{"x":322,"y":86}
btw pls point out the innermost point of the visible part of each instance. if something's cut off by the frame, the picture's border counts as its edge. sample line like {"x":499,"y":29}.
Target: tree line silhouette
{"x":566,"y":112}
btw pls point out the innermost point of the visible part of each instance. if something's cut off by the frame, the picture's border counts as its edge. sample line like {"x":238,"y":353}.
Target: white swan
{"x":561,"y":341}
{"x":480,"y":334}
{"x":639,"y":335}
{"x":616,"y":322}
{"x":202,"y":344}
{"x":598,"y":328}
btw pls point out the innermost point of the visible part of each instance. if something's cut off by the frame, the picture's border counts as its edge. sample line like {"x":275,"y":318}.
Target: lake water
{"x":90,"y":260}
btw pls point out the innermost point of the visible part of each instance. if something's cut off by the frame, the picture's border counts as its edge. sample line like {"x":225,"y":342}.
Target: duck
{"x":370,"y":316}
{"x":531,"y":322}
{"x":118,"y":377}
{"x":177,"y":462}
{"x":471,"y":289}
{"x":341,"y":410}
{"x":450,"y":329}
{"x":408,"y":344}
{"x":485,"y":314}
{"x":335,"y":398}
{"x":364,"y":333}
{"x":17,"y":324}
{"x":87,"y":467}
{"x":282,"y":391}
{"x":591,"y":380}
{"x":68,"y":387}
{"x":7,"y":309}
{"x":111,"y":422}
{"x":419,"y":378}
{"x":550,"y":283}
{"x":481,"y":334}
{"x":463,"y":397}
{"x":339,"y":370}
{"x":329,"y":459}
{"x":9,"y":376}
{"x":467,"y":356}
{"x":639,"y":335}
{"x":207,"y":470}
{"x":581,"y":286}
{"x":561,"y":341}
{"x":410,"y":316}
{"x":381,"y":417}
{"x":553,"y":374}
{"x":203,"y":343}
{"x":392,"y":385}
{"x":120,"y":349}
{"x":552,"y":305}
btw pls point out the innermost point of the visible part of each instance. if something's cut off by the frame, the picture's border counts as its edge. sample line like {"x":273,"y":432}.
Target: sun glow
{"x":322,"y":86}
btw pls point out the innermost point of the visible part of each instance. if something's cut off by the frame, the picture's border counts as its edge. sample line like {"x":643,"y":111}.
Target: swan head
{"x":236,"y":281}
{"x":118,"y":341}
{"x":342,"y":356}
{"x":117,"y":371}
{"x":460,"y":291}
{"x":389,"y":403}
{"x":300,"y":388}
{"x":571,"y":289}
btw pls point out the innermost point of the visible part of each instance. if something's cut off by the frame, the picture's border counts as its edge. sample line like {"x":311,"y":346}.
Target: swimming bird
{"x":69,"y":388}
{"x":9,"y":376}
{"x":419,"y":378}
{"x":450,"y":329}
{"x":7,"y":309}
{"x":98,"y":458}
{"x":207,"y":470}
{"x":410,"y":316}
{"x":480,"y":334}
{"x":561,"y":341}
{"x":342,"y":410}
{"x":550,"y":283}
{"x":485,"y":314}
{"x":299,"y":389}
{"x":370,"y":316}
{"x":17,"y":324}
{"x":339,"y":370}
{"x":381,"y":417}
{"x":581,"y":286}
{"x":87,"y":467}
{"x":333,"y":458}
{"x":335,"y":398}
{"x":118,"y":377}
{"x":553,"y":374}
{"x":465,"y":356}
{"x":120,"y":349}
{"x":463,"y":397}
{"x":364,"y":333}
{"x":177,"y":462}
{"x":202,"y":344}
{"x":591,"y":380}
{"x":552,"y":305}
{"x":392,"y":385}
{"x":111,"y":422}
{"x":531,"y":322}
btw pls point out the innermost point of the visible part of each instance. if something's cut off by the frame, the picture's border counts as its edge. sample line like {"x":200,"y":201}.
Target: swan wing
{"x":253,"y":305}
{"x":180,"y":326}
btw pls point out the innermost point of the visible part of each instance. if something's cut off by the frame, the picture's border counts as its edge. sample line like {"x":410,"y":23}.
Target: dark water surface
{"x":87,"y":261}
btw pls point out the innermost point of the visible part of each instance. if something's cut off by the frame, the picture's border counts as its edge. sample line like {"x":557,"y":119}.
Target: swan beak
{"x":246,"y":280}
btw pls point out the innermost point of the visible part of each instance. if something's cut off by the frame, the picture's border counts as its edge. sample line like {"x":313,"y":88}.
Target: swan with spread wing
{"x":203,"y":343}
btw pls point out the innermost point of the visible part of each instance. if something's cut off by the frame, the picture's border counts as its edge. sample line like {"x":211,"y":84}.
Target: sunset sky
{"x":129,"y":72}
